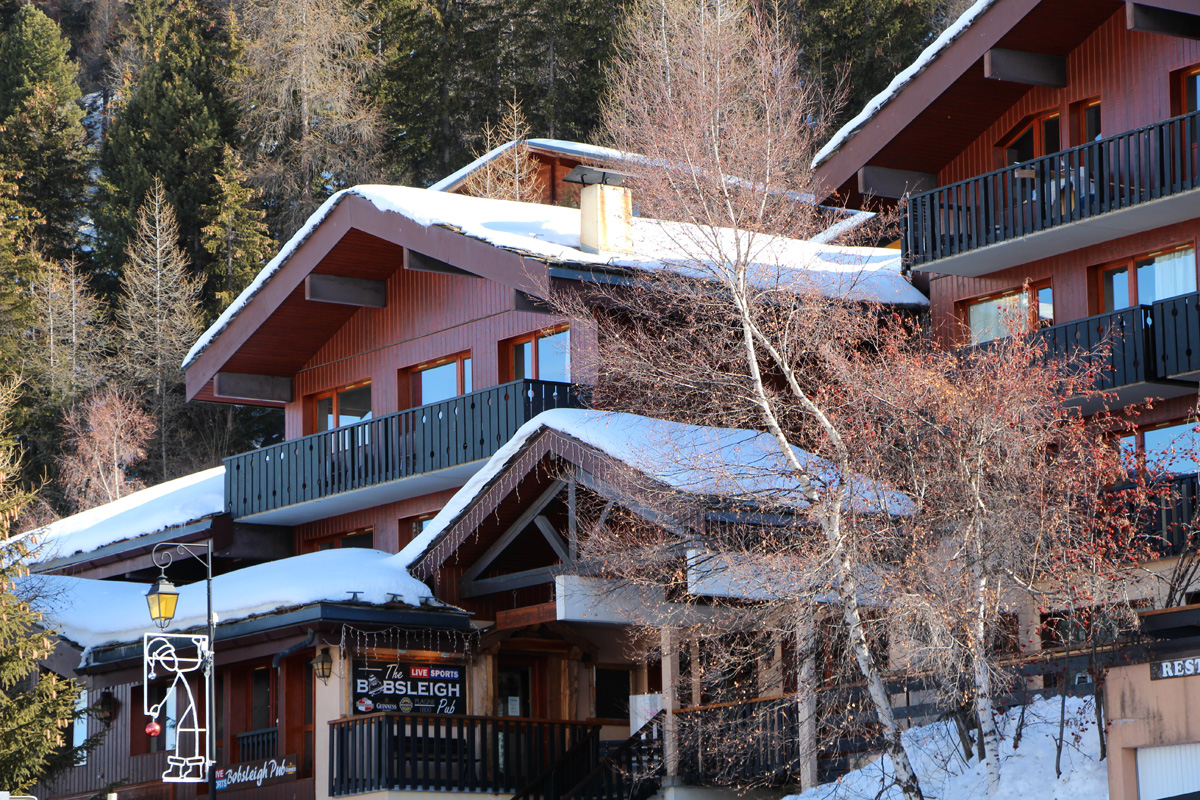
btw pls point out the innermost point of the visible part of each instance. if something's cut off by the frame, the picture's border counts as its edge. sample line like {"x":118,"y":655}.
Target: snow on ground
{"x":689,"y":458}
{"x":551,"y":234}
{"x":167,"y":505}
{"x":1026,"y":773}
{"x":900,"y":81}
{"x":94,"y":612}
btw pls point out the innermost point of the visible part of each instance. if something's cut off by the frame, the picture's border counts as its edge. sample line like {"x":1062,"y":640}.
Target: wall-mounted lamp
{"x":107,"y":707}
{"x":323,"y":665}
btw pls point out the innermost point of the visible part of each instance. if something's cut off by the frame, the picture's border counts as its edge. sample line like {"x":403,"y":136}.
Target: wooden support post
{"x":806,"y":695}
{"x":670,"y":683}
{"x":694,"y":670}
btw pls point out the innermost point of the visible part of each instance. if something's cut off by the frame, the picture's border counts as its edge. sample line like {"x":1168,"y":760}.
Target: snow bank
{"x":900,"y":81}
{"x":689,"y":458}
{"x":167,"y":505}
{"x":551,"y":234}
{"x":93,"y":612}
{"x":1026,"y":772}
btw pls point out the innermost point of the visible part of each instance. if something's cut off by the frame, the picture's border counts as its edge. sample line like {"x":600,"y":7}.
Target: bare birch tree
{"x":309,"y":128}
{"x":69,"y":330}
{"x":157,"y":314}
{"x":106,"y":437}
{"x":711,"y":95}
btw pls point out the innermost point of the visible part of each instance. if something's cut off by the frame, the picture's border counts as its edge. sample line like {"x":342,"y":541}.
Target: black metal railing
{"x":500,"y":755}
{"x":633,"y":771}
{"x":571,"y":767}
{"x":258,"y":745}
{"x":388,"y":448}
{"x":741,"y":743}
{"x":1169,"y":523}
{"x":1117,"y":172}
{"x":1176,"y":327}
{"x":1118,"y":345}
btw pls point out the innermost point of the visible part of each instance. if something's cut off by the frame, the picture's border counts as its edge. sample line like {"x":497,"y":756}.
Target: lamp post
{"x":162,"y":599}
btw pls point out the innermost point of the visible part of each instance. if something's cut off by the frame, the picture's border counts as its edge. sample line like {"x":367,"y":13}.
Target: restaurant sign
{"x":1175,"y":668}
{"x":262,"y":772}
{"x":408,"y":688}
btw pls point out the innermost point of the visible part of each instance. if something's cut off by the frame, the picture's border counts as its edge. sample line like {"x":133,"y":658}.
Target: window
{"x":1170,"y":448}
{"x":1168,"y":273}
{"x":1190,"y":90}
{"x":1021,"y":309}
{"x":411,"y":527}
{"x":612,"y":693}
{"x":1031,"y":139}
{"x":141,"y":742}
{"x":545,"y":355}
{"x":342,"y":407}
{"x":440,"y":380}
{"x":79,"y":727}
{"x":364,"y":537}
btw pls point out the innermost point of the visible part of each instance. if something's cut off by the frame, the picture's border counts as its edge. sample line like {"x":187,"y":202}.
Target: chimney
{"x":605,"y":210}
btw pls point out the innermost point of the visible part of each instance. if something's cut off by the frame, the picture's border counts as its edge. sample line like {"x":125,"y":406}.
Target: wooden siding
{"x":1129,"y":72}
{"x":383,"y":520}
{"x":428,"y":316}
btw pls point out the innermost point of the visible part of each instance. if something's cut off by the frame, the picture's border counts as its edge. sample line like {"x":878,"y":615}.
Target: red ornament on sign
{"x":153,"y":729}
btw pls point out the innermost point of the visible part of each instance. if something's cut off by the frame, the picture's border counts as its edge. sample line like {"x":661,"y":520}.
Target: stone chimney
{"x":605,"y":210}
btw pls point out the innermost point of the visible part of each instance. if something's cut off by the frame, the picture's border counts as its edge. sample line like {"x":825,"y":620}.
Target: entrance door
{"x":514,"y":695}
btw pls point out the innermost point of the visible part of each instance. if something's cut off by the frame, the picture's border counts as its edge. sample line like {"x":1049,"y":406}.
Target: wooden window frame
{"x":1031,"y":289}
{"x":314,"y":545}
{"x":410,"y":523}
{"x":314,"y":399}
{"x":1096,"y":302}
{"x":410,"y":393}
{"x":1179,"y":79}
{"x":508,"y":363}
{"x":1039,"y":145}
{"x":1078,"y":133}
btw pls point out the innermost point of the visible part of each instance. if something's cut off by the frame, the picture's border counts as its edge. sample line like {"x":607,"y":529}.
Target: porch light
{"x":323,"y":665}
{"x":162,"y":598}
{"x":106,"y":707}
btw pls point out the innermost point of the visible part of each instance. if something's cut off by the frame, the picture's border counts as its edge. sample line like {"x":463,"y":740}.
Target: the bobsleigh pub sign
{"x":408,"y":688}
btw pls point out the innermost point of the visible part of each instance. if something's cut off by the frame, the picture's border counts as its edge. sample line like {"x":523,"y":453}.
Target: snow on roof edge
{"x":876,"y":103}
{"x":578,"y":149}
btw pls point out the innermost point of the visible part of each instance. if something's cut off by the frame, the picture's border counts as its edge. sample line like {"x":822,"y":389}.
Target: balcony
{"x":1099,"y":191}
{"x":412,"y":452}
{"x":258,"y":745}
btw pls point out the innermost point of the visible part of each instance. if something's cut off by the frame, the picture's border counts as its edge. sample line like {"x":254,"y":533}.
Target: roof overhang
{"x":280,"y":328}
{"x":950,"y":103}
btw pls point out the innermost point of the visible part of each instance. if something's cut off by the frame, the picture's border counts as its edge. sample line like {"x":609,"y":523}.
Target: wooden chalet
{"x":405,"y":335}
{"x":1046,"y":155}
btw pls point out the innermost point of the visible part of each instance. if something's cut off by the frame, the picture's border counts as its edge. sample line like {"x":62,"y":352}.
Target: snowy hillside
{"x":1027,"y":771}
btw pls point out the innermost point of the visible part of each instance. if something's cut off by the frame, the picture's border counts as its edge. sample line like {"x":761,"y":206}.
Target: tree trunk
{"x":989,"y":734}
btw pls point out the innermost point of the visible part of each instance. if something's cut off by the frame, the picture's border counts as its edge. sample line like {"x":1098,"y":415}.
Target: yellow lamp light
{"x":162,"y":598}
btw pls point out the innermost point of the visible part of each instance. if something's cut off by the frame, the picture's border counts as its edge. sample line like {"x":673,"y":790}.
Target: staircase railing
{"x":631,"y":772}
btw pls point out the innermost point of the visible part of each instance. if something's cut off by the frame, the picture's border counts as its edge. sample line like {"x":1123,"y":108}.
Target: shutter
{"x":1168,"y":772}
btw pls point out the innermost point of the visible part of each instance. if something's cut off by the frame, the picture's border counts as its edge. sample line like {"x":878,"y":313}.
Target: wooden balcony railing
{"x":1117,"y":344}
{"x":500,"y":755}
{"x":633,"y":771}
{"x":258,"y":745}
{"x":1096,"y":178}
{"x":388,"y":448}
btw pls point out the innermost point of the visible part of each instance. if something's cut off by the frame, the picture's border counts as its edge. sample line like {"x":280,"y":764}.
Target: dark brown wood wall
{"x":428,"y":316}
{"x":1130,"y":72}
{"x":383,"y":520}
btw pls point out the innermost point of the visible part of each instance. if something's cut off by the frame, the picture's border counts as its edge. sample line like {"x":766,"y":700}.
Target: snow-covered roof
{"x":551,"y":234}
{"x":687,"y":458}
{"x":171,"y":504}
{"x":599,"y":156}
{"x":93,"y":612}
{"x":880,"y":100}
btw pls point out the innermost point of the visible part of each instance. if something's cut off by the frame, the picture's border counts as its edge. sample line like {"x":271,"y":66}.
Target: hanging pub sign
{"x":263,"y":772}
{"x":408,"y":688}
{"x":1176,"y":668}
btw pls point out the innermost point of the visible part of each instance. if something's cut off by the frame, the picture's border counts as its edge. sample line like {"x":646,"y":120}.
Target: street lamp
{"x":162,"y":599}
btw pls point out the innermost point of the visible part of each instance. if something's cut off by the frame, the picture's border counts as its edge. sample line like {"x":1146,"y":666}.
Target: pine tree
{"x":513,"y":174}
{"x":158,"y":315}
{"x":237,"y":237}
{"x":69,"y":332}
{"x":41,"y":135}
{"x":19,"y":265}
{"x":35,"y":707}
{"x":174,"y":128}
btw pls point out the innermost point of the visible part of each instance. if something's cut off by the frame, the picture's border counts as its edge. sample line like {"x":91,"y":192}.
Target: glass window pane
{"x":466,"y":389}
{"x":325,"y":420}
{"x":354,"y":405}
{"x":1168,"y":275}
{"x":1116,"y":289}
{"x":439,"y":383}
{"x":1192,"y":89}
{"x":1022,"y":148}
{"x":522,"y":357}
{"x":554,"y":357}
{"x":1045,"y":301}
{"x":1091,"y":123}
{"x":1050,"y":136}
{"x":1173,"y":449}
{"x":996,"y":318}
{"x":365,"y":539}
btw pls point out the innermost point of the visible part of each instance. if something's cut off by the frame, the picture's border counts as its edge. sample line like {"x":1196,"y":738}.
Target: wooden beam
{"x":345,"y":291}
{"x":419,"y":262}
{"x":1153,"y":18}
{"x":572,"y":521}
{"x":241,"y":386}
{"x":552,"y":538}
{"x":887,"y":182}
{"x":523,"y":301}
{"x":1018,"y":66}
{"x":507,"y":583}
{"x":513,"y":531}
